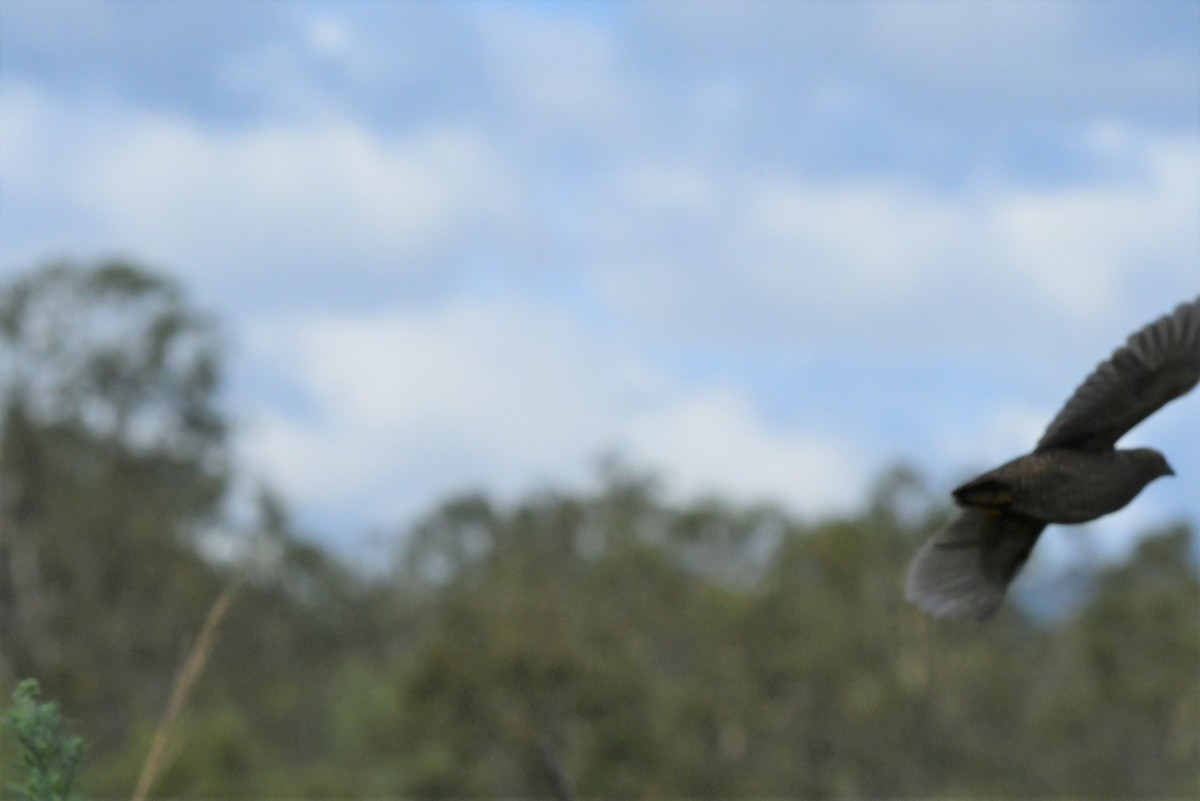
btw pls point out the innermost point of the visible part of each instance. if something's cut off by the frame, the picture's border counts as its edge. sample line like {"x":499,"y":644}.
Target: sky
{"x":766,"y":250}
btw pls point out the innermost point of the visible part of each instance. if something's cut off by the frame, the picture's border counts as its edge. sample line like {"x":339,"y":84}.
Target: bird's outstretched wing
{"x":1156,"y":365}
{"x":964,"y":571}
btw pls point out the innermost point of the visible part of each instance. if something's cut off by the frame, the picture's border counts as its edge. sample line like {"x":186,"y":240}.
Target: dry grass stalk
{"x":192,"y":668}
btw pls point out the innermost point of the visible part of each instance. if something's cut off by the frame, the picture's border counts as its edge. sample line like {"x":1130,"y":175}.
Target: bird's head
{"x":1152,"y":462}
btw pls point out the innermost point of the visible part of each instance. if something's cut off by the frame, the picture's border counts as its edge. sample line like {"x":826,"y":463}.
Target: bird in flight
{"x":1075,"y":474}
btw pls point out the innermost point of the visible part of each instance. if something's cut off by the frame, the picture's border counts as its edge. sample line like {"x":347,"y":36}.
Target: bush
{"x":50,"y":758}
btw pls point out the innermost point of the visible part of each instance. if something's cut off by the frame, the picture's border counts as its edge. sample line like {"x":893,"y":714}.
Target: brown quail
{"x":1073,"y":475}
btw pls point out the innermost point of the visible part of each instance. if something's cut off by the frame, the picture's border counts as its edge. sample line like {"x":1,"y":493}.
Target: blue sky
{"x":767,"y":249}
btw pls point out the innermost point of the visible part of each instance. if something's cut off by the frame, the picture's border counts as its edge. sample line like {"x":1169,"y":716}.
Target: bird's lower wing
{"x":964,"y":571}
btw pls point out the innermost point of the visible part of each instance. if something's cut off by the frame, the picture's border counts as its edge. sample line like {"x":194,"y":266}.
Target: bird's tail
{"x":964,"y":571}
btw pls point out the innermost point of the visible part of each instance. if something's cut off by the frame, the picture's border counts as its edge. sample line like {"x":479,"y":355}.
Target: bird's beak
{"x":1170,"y":472}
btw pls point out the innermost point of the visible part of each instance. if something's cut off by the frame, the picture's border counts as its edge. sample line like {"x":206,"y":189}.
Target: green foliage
{"x":219,"y":749}
{"x":705,"y":651}
{"x":601,"y":644}
{"x":50,"y":758}
{"x":112,"y":461}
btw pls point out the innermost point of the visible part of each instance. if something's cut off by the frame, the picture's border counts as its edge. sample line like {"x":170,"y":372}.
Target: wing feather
{"x":964,"y":570}
{"x":1155,"y":365}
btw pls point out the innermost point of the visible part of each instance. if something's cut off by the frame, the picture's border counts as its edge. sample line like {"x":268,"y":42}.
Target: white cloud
{"x":872,"y":242}
{"x":1082,"y":247}
{"x":659,"y":188}
{"x":990,"y":56}
{"x":985,"y":39}
{"x":275,"y":195}
{"x":992,"y":437}
{"x":640,"y":166}
{"x":719,"y":254}
{"x":714,"y":441}
{"x":328,"y":36}
{"x":410,"y":405}
{"x":562,"y":71}
{"x":266,"y":202}
{"x":429,"y":401}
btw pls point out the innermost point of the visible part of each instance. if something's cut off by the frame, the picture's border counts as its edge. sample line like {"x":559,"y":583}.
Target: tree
{"x":112,"y":458}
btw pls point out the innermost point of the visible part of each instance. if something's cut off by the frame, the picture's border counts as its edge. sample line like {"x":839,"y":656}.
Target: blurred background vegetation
{"x":608,"y":643}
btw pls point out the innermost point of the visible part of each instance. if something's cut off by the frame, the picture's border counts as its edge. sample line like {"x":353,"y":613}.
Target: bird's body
{"x":1075,"y":474}
{"x":1064,"y":485}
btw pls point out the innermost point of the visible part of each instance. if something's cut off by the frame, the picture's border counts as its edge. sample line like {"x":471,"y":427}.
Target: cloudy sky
{"x":768,"y":250}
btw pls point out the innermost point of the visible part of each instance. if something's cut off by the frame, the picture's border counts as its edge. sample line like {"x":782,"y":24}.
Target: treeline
{"x":599,"y":644}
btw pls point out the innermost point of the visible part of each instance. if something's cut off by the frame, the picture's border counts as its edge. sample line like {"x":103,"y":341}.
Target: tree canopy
{"x":608,"y":643}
